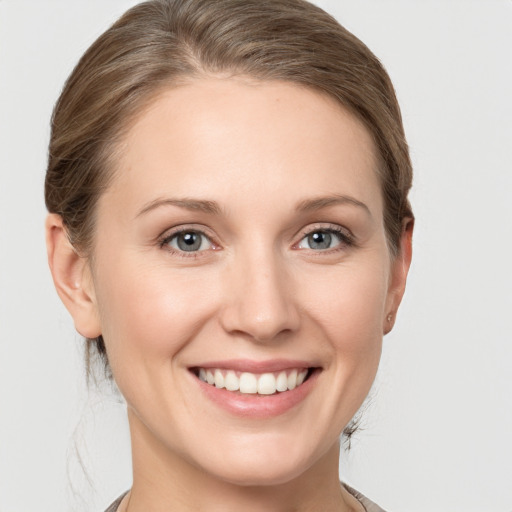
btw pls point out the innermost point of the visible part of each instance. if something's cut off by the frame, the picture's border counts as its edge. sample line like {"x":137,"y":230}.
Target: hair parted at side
{"x":161,"y":43}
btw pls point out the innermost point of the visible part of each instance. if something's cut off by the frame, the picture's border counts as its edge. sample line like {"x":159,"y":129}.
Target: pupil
{"x":320,"y":240}
{"x":189,"y":241}
{"x":189,"y":238}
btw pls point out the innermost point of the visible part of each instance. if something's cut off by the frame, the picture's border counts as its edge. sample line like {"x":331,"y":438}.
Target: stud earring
{"x":389,"y":317}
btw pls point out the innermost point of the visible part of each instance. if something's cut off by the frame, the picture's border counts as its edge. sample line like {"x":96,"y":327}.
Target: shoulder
{"x":116,"y":503}
{"x":368,"y":505}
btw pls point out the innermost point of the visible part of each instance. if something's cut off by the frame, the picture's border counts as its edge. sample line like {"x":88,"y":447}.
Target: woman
{"x":230,"y":230}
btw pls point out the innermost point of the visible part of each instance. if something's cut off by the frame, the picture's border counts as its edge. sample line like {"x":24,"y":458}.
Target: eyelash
{"x":346,"y":240}
{"x":164,"y":242}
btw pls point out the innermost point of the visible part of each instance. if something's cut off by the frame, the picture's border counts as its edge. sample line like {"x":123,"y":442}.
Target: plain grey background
{"x":438,"y":433}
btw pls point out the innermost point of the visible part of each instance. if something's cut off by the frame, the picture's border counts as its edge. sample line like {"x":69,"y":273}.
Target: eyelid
{"x":164,"y":239}
{"x":346,"y":236}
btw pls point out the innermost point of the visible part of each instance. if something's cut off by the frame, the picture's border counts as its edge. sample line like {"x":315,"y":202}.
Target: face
{"x":242,"y":278}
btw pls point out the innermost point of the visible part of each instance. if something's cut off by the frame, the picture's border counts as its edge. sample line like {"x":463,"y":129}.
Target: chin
{"x":266,"y":464}
{"x":258,"y":475}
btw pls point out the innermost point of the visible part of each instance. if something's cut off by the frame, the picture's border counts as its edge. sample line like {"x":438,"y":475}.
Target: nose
{"x":260,"y":302}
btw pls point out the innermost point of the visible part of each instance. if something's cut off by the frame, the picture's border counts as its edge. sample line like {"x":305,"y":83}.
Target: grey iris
{"x":189,"y":241}
{"x":319,"y":240}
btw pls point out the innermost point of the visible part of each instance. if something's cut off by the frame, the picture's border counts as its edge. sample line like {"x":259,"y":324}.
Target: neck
{"x":164,"y":480}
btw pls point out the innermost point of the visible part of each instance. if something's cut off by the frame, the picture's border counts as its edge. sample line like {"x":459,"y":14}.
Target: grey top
{"x":368,"y":505}
{"x":116,"y":503}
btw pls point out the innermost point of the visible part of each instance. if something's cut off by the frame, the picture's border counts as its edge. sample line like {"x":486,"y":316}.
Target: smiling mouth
{"x":247,"y":383}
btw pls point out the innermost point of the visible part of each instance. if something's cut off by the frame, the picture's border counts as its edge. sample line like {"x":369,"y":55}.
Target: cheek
{"x":349,"y":304}
{"x":350,"y":315}
{"x":149,"y":314}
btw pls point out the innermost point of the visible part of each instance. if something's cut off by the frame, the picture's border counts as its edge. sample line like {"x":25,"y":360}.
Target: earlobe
{"x":72,"y":278}
{"x":398,"y":277}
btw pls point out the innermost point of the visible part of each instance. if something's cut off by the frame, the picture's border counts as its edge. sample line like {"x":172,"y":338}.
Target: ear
{"x":72,"y":278}
{"x":398,"y":276}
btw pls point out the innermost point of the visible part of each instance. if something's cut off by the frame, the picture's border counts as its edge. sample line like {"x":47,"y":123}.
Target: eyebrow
{"x":211,"y":207}
{"x":325,"y":201}
{"x":190,"y":204}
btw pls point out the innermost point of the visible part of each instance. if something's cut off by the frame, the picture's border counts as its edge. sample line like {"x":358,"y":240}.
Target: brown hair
{"x":160,"y":42}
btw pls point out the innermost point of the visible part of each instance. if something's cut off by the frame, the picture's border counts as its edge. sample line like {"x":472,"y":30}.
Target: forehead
{"x":228,"y":136}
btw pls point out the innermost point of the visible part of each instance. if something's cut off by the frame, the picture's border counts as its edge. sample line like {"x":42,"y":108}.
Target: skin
{"x":264,"y":153}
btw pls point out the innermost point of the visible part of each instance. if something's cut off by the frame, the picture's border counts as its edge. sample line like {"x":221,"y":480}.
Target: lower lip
{"x":258,"y":406}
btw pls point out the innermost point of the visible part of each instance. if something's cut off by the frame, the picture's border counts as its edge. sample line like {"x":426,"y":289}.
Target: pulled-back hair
{"x":161,"y":43}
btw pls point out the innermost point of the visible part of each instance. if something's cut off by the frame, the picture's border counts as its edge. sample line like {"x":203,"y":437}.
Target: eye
{"x":188,"y":241}
{"x":323,"y":239}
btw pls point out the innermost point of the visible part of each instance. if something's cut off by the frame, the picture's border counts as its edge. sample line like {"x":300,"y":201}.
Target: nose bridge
{"x":260,"y":300}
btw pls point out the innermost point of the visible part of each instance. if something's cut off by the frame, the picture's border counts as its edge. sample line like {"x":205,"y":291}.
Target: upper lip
{"x":251,"y":366}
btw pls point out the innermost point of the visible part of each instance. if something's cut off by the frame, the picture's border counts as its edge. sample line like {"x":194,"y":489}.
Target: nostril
{"x":261,"y":305}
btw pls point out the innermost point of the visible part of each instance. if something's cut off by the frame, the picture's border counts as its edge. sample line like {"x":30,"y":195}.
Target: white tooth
{"x":209,"y":377}
{"x":301,"y":376}
{"x":202,"y":374}
{"x":248,"y":383}
{"x":267,"y":384}
{"x":219,"y":379}
{"x":282,"y":382}
{"x":231,"y":381}
{"x":292,"y":380}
